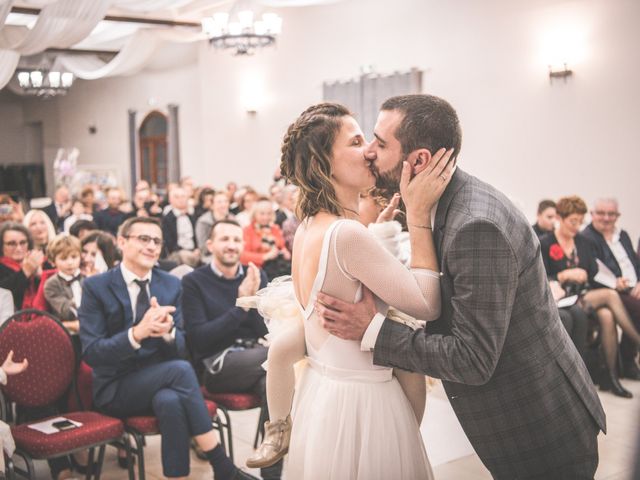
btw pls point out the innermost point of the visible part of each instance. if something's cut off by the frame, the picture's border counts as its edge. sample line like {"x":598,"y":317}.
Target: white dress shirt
{"x":373,"y":330}
{"x":628,"y":270}
{"x":134,"y":290}
{"x":185,"y":230}
{"x":76,"y":288}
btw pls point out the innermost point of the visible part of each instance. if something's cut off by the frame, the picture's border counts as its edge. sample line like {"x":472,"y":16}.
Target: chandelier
{"x":239,"y":31}
{"x":43,"y":83}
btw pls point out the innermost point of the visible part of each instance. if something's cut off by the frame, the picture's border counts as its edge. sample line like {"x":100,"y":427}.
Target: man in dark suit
{"x":60,"y":208}
{"x":614,"y":248}
{"x":110,"y":219}
{"x":178,"y":229}
{"x":516,"y":382}
{"x":132,"y":337}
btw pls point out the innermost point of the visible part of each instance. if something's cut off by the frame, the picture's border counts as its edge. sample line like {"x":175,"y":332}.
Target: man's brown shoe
{"x":274,"y":446}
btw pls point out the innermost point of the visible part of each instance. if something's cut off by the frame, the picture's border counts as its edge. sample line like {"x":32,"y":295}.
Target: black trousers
{"x":576,"y":323}
{"x":241,"y":372}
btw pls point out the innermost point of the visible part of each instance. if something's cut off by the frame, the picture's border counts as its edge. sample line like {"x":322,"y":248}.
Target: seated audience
{"x":614,"y":248}
{"x":20,"y":264}
{"x":88,"y":198}
{"x":573,"y":318}
{"x":248,"y":197}
{"x":7,"y":445}
{"x":113,"y":216}
{"x":132,"y":337}
{"x":99,"y":253}
{"x":145,"y":203}
{"x":205,"y":199}
{"x":545,"y":218}
{"x":77,"y":213}
{"x":569,"y":259}
{"x":218,"y":210}
{"x":178,"y":230}
{"x":63,"y":291}
{"x":81,"y":228}
{"x":6,"y":304}
{"x":231,"y":189}
{"x":42,"y":232}
{"x":223,"y":338}
{"x":287,"y":198}
{"x":60,"y":208}
{"x":10,"y":211}
{"x":264,"y":243}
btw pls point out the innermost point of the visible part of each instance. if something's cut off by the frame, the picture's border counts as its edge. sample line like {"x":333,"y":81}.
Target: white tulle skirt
{"x":354,"y":425}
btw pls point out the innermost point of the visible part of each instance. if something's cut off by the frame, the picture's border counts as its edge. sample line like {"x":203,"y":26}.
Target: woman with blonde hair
{"x":42,"y":232}
{"x":351,"y":418}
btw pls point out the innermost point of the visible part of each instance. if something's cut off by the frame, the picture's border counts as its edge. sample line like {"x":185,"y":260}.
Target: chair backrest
{"x":44,"y":342}
{"x":39,"y":301}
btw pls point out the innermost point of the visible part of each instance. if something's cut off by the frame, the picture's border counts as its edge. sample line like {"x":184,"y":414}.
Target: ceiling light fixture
{"x":240,"y":31}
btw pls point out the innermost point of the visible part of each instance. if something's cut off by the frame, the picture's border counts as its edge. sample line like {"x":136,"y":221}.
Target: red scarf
{"x":32,"y":288}
{"x":11,"y":263}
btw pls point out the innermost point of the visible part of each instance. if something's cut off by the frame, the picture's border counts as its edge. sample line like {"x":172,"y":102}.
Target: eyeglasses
{"x":145,"y":239}
{"x":607,"y":214}
{"x":14,"y":244}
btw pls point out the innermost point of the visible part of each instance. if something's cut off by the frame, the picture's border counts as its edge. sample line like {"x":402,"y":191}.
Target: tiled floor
{"x":617,"y":448}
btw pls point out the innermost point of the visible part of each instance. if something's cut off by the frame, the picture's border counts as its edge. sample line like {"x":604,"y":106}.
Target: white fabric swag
{"x":60,"y":24}
{"x":134,"y":55}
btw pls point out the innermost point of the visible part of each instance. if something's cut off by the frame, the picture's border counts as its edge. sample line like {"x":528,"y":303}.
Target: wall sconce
{"x":557,"y":73}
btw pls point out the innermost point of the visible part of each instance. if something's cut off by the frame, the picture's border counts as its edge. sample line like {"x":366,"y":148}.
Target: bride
{"x":352,"y":419}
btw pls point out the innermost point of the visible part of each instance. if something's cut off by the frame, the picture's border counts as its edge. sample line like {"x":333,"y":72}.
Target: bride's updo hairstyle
{"x":306,"y":157}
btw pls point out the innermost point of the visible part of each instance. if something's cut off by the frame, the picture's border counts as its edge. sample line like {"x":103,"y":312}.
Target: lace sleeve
{"x":360,"y":256}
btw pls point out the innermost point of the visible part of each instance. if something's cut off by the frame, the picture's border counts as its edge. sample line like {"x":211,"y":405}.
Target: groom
{"x":518,"y":386}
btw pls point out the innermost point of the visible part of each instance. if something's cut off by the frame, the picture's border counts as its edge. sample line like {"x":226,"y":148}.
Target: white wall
{"x":530,"y":138}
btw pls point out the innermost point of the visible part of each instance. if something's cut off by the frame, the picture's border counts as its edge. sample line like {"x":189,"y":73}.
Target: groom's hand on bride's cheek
{"x":346,"y":320}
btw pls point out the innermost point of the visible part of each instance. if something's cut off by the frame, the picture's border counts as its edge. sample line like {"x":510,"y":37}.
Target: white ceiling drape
{"x":60,"y":24}
{"x":132,"y":58}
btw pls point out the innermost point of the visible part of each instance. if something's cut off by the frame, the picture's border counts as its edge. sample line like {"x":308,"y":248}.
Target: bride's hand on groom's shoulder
{"x":423,"y":191}
{"x":346,"y":320}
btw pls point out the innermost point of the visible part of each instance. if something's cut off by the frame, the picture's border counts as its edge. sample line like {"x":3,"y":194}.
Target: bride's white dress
{"x":351,"y":418}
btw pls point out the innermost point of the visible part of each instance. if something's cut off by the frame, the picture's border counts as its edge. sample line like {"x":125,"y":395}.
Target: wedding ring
{"x":443,"y":177}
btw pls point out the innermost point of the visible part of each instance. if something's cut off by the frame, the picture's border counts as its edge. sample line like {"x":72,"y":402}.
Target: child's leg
{"x":287,"y":348}
{"x":415,"y":388}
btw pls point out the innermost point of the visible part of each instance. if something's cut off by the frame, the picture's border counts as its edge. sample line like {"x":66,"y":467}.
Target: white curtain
{"x":365,"y":95}
{"x":5,"y":8}
{"x":149,"y":5}
{"x":60,"y":24}
{"x":133,"y":57}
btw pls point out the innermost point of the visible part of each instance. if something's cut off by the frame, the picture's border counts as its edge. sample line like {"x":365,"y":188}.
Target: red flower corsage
{"x":555,"y":252}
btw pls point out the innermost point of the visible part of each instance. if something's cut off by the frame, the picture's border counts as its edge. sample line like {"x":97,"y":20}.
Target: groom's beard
{"x":389,"y":181}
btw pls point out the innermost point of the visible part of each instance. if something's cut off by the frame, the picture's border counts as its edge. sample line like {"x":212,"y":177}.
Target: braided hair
{"x":306,"y":158}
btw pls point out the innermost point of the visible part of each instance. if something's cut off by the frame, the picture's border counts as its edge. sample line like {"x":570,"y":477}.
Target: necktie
{"x":142,"y":302}
{"x":71,"y":280}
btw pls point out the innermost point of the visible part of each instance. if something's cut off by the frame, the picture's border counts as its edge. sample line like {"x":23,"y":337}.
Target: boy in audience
{"x":63,"y":291}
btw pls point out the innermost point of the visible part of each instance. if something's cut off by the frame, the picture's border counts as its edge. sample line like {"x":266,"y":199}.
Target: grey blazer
{"x":59,"y":296}
{"x":516,"y":382}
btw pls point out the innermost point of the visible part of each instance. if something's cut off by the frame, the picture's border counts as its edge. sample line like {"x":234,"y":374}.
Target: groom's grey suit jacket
{"x":517,"y":384}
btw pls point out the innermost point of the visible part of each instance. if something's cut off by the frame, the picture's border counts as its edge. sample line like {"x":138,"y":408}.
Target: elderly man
{"x":60,"y":208}
{"x":178,"y":228}
{"x":614,"y":248}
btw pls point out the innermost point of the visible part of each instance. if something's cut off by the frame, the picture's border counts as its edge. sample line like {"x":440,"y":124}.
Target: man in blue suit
{"x":132,"y":337}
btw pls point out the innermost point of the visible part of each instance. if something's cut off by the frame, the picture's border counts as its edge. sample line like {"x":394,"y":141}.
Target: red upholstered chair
{"x":139,"y":426}
{"x":233,"y":402}
{"x":39,"y":337}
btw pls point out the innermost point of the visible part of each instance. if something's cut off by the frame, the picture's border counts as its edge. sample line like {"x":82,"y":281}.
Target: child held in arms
{"x":63,"y":291}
